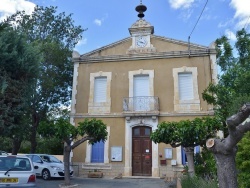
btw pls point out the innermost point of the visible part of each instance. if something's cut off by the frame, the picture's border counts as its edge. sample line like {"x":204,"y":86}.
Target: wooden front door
{"x":141,"y":152}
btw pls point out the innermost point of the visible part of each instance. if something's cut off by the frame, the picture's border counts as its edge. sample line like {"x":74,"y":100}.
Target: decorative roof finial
{"x":141,"y":9}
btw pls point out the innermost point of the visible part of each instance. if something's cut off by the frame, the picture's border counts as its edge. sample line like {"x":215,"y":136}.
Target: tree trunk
{"x":16,"y":143}
{"x":226,"y":170}
{"x":66,"y":155}
{"x":225,"y":150}
{"x":190,"y":159}
{"x":35,"y":123}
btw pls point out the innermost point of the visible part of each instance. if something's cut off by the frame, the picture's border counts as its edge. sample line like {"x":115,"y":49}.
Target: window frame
{"x":97,"y":88}
{"x":99,"y":107}
{"x":190,"y":105}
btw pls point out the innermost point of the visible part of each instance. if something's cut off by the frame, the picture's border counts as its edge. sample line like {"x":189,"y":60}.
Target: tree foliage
{"x":233,"y":82}
{"x":56,"y":35}
{"x":243,"y":162}
{"x":18,"y":71}
{"x":205,"y":164}
{"x":188,"y":134}
{"x":233,"y":89}
{"x":92,"y":130}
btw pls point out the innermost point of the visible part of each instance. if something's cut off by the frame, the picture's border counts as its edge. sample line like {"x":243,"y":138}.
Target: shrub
{"x":197,"y":182}
{"x":205,"y":165}
{"x":243,"y":161}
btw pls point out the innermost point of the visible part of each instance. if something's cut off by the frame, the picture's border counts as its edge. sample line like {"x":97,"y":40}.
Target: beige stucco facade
{"x":162,"y":60}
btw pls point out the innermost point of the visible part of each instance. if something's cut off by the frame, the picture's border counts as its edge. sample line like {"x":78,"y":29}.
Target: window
{"x":100,"y":89}
{"x":97,"y":154}
{"x":99,"y":93}
{"x":141,"y":93}
{"x":186,"y":97}
{"x":141,"y":85}
{"x":186,"y":91}
{"x":141,"y":90}
{"x":183,"y":157}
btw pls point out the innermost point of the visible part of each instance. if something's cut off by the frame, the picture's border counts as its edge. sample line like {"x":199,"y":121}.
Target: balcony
{"x":141,"y":106}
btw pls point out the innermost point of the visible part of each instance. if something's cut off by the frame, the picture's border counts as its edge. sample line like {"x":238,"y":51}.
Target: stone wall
{"x":109,"y":170}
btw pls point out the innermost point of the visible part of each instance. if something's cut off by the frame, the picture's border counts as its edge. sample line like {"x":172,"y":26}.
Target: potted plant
{"x":95,"y":174}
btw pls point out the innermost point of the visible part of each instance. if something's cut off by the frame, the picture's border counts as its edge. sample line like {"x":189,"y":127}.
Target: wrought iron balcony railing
{"x":140,"y":104}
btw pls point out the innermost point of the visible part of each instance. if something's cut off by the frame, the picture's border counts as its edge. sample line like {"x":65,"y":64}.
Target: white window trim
{"x":106,"y":147}
{"x":100,"y":107}
{"x":192,"y":105}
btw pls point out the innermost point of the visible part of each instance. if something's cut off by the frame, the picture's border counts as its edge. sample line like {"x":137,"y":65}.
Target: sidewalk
{"x":106,"y":183}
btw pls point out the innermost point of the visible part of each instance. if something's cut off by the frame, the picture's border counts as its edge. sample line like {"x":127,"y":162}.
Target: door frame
{"x":131,"y":122}
{"x":144,"y":156}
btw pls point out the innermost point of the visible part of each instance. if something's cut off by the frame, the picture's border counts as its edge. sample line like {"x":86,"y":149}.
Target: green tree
{"x":90,"y":129}
{"x":243,"y":162}
{"x":18,"y":71}
{"x":232,"y":83}
{"x":205,"y":165}
{"x":188,"y":134}
{"x":231,"y":92}
{"x":57,"y":36}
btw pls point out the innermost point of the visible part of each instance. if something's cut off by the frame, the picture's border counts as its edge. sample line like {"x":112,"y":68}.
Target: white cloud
{"x":9,"y":7}
{"x":225,"y":24}
{"x":81,"y":42}
{"x":242,"y":11}
{"x":185,"y":15}
{"x":98,"y":22}
{"x":176,"y":4}
{"x":79,"y":45}
{"x":229,"y":34}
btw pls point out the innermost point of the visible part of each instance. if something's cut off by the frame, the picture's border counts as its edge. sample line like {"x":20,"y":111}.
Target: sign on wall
{"x":168,"y":153}
{"x":116,"y":153}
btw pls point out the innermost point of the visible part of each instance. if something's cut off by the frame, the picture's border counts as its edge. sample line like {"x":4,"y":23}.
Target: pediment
{"x":161,"y":44}
{"x":164,"y":44}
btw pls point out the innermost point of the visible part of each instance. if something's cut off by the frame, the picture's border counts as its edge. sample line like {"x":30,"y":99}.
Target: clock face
{"x":141,"y":42}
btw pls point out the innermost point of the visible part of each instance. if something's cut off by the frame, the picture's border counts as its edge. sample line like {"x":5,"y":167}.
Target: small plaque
{"x":116,"y":153}
{"x":173,"y":162}
{"x":168,"y":153}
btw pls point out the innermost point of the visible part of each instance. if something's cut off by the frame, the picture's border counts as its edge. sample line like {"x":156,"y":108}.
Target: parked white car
{"x":48,"y":166}
{"x":16,"y":171}
{"x":3,"y":152}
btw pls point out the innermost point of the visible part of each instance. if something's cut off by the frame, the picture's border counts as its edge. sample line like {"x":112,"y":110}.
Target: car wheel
{"x":46,"y":174}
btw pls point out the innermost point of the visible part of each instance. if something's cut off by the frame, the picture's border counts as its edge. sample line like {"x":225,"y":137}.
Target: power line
{"x":195,"y":26}
{"x":199,"y":18}
{"x":246,"y":22}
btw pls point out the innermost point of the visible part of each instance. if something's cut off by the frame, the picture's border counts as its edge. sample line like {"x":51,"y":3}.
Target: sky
{"x":107,"y":21}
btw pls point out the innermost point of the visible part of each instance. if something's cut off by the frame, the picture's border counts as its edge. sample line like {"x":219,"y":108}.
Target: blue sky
{"x":108,"y":20}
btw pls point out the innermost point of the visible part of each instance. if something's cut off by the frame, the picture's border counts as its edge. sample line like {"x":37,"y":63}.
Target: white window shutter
{"x":141,"y":85}
{"x":186,"y":89}
{"x":100,"y":89}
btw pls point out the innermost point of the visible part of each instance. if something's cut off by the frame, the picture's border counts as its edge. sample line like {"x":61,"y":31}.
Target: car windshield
{"x":14,"y":163}
{"x":50,"y":159}
{"x":3,"y":153}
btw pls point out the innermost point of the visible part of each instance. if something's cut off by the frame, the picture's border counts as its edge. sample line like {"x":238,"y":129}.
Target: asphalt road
{"x":104,"y":183}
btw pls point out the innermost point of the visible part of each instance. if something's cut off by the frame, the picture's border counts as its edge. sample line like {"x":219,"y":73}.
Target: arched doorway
{"x":141,"y":151}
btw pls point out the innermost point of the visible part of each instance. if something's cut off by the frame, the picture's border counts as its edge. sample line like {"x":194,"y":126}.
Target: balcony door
{"x":141,"y":93}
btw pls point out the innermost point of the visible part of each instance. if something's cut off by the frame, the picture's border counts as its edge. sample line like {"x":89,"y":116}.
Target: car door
{"x":37,"y":161}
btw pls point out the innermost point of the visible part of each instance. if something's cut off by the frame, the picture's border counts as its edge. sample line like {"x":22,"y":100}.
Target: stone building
{"x":132,"y":85}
